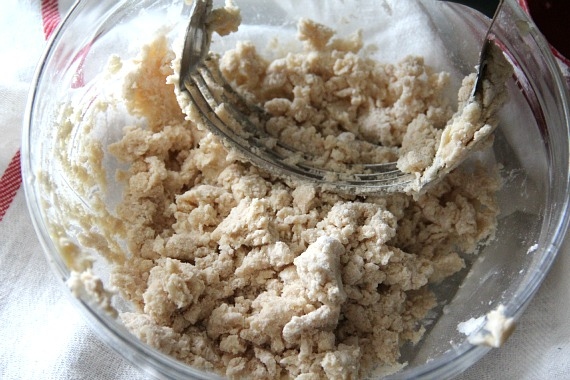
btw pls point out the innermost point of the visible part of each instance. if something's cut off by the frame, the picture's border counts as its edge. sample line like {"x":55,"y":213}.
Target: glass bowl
{"x":72,"y":192}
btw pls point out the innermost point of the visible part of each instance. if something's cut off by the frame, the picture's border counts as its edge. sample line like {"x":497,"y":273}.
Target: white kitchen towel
{"x":42,"y":335}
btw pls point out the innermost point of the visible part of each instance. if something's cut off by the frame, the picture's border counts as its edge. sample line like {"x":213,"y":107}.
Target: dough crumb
{"x":498,"y":328}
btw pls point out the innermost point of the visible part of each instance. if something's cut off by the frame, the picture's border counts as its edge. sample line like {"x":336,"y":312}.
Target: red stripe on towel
{"x":50,"y":16}
{"x":9,"y":184}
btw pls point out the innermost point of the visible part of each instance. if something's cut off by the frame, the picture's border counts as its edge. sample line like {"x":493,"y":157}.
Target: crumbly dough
{"x":235,"y":271}
{"x":337,"y":107}
{"x":470,"y":128}
{"x":224,"y":20}
{"x":341,"y":110}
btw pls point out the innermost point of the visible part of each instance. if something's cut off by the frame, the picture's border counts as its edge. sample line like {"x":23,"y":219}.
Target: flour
{"x":496,"y":330}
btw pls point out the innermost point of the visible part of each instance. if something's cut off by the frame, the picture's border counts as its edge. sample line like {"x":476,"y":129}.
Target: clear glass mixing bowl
{"x":531,"y":144}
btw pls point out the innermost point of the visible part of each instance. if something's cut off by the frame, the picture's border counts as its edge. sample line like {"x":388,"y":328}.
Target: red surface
{"x":552,"y":17}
